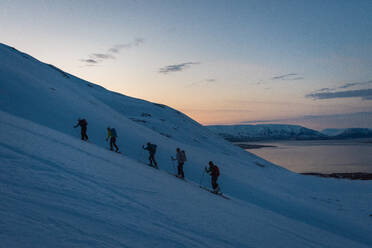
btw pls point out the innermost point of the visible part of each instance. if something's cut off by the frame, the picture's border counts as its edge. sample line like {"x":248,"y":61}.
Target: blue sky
{"x":217,"y":61}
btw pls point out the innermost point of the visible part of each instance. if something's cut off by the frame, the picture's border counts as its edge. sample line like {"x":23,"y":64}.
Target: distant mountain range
{"x":242,"y":133}
{"x":332,"y":131}
{"x":349,"y":133}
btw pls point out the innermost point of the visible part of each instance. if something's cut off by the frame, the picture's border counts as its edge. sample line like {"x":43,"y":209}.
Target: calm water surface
{"x":323,"y":156}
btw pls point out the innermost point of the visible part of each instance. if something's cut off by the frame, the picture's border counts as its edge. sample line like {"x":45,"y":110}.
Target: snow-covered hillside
{"x":348,"y":133}
{"x":332,"y":131}
{"x":58,"y":191}
{"x":265,"y":132}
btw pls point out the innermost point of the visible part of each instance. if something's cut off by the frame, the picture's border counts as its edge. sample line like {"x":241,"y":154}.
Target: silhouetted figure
{"x":214,"y":171}
{"x":152,"y":150}
{"x":181,"y":159}
{"x":112,"y":135}
{"x":83,"y":124}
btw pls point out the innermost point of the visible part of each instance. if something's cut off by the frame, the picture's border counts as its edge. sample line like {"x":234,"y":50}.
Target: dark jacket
{"x":151,"y":148}
{"x":82,"y":123}
{"x":213,"y":171}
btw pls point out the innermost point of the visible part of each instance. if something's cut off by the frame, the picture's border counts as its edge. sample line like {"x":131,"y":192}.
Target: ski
{"x":114,"y":151}
{"x":218,"y":193}
{"x":175,"y":175}
{"x":181,"y":178}
{"x":153,"y":166}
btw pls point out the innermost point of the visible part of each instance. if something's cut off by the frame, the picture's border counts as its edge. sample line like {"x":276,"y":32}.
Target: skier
{"x":214,"y":171}
{"x":111,"y":133}
{"x":83,"y":124}
{"x":152,"y":150}
{"x":181,"y":159}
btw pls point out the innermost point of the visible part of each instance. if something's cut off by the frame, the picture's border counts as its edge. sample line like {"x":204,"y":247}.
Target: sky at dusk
{"x":220,"y":62}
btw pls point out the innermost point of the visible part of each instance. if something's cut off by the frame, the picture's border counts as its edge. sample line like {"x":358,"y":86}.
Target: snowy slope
{"x":332,"y":131}
{"x":57,"y":191}
{"x":94,"y":198}
{"x":265,"y":132}
{"x":46,"y":90}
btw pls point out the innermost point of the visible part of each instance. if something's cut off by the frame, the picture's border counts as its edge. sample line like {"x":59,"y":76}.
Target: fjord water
{"x":322,"y":156}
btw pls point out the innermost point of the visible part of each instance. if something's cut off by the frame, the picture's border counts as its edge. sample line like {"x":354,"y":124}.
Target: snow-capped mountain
{"x":349,"y":133}
{"x":241,"y":133}
{"x":59,"y":191}
{"x":332,"y":131}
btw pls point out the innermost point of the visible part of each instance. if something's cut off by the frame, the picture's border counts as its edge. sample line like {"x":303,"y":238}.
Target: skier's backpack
{"x":84,"y":122}
{"x":217,"y":170}
{"x":153,"y":148}
{"x":183,"y":156}
{"x":113,"y":133}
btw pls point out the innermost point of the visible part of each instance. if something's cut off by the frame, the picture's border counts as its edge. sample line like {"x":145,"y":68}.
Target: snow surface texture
{"x":58,"y":191}
{"x":264,"y":132}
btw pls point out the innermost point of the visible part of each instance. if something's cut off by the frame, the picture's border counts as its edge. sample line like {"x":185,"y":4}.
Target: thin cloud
{"x":345,"y":86}
{"x":210,"y":80}
{"x":348,"y":85}
{"x":102,"y":56}
{"x":284,"y":77}
{"x":135,"y":43}
{"x":177,"y":67}
{"x":365,"y":94}
{"x":96,"y":58}
{"x":330,"y":93}
{"x":313,"y":118}
{"x":89,"y":61}
{"x":289,"y":76}
{"x":297,"y":78}
{"x":323,"y":90}
{"x":204,"y":82}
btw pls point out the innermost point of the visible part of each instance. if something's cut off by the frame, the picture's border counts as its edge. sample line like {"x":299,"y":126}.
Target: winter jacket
{"x":181,"y":158}
{"x":82,"y":123}
{"x":111,"y":133}
{"x":151,"y":148}
{"x":213,"y":171}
